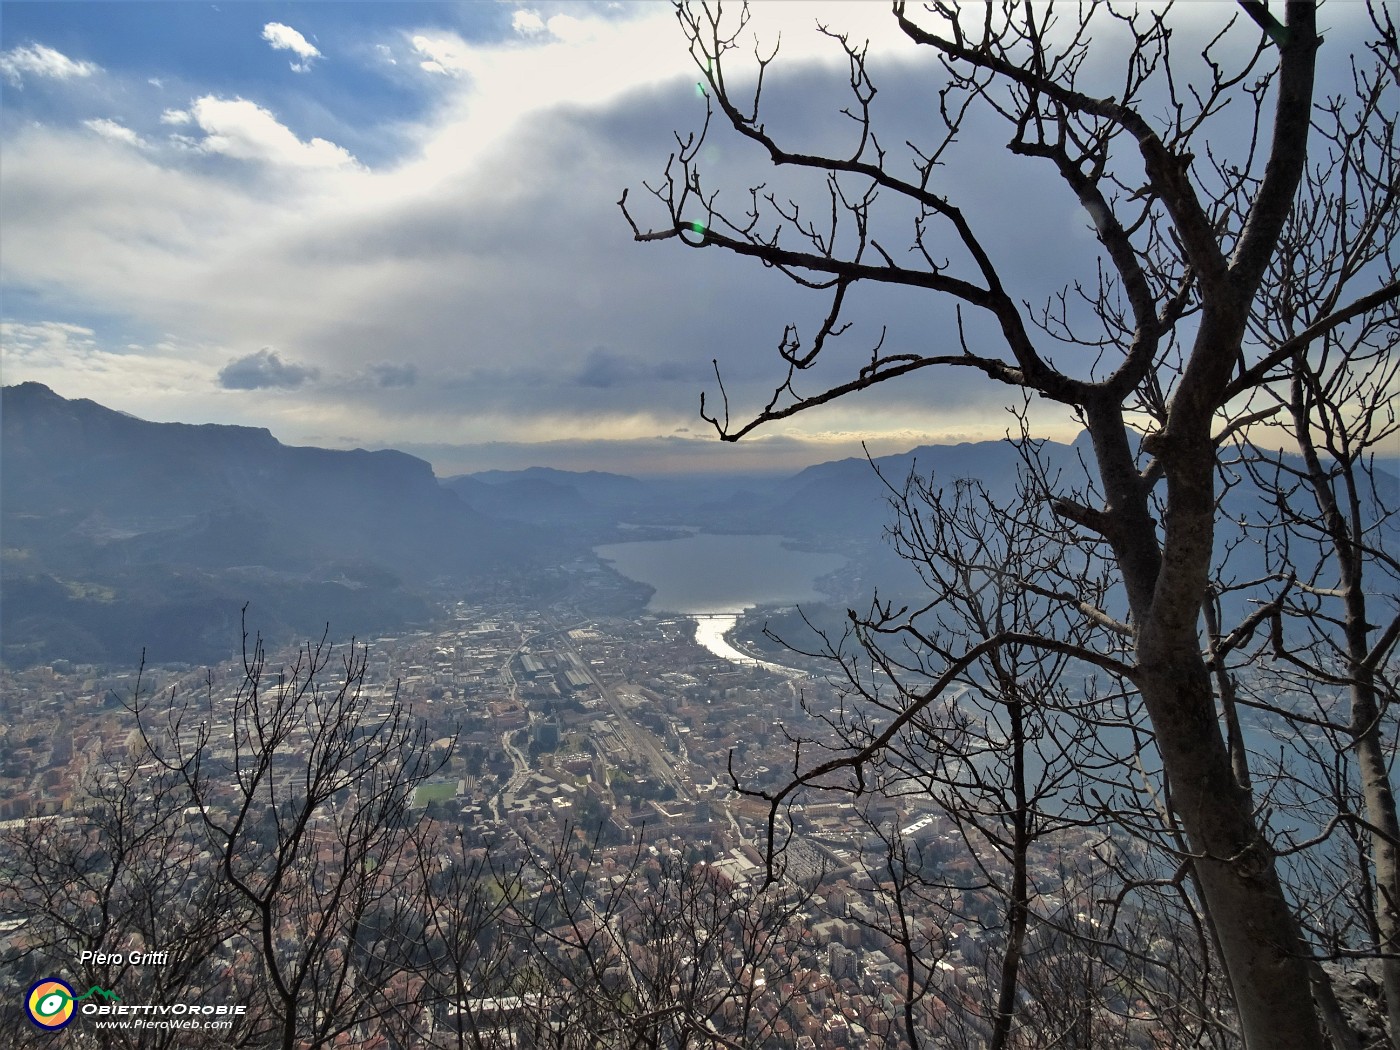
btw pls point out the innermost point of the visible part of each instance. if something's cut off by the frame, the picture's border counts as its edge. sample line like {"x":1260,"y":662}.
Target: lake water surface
{"x":714,"y":578}
{"x":708,"y":573}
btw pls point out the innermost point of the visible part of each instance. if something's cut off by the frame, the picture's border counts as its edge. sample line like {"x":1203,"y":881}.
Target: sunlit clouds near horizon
{"x":396,"y":225}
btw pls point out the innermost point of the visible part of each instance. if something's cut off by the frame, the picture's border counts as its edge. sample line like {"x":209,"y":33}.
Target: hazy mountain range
{"x":120,"y":535}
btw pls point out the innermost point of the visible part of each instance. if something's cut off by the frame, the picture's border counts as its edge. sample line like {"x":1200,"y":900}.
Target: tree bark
{"x":1234,"y":864}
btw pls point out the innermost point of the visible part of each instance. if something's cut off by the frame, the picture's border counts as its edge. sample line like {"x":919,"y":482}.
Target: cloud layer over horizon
{"x":396,"y":225}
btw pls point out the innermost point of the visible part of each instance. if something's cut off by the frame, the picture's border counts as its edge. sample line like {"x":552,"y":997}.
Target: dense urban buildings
{"x":556,"y":730}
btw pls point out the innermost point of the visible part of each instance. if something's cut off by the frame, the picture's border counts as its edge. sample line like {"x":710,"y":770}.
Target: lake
{"x":709,"y":573}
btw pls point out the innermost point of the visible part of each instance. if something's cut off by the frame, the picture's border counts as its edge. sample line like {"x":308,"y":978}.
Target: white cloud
{"x":445,"y":54}
{"x":110,"y":129}
{"x":490,"y":260}
{"x":41,"y":61}
{"x":590,"y":61}
{"x":527,"y":22}
{"x":47,"y":341}
{"x":130,"y":229}
{"x":244,"y":130}
{"x":71,"y":359}
{"x":571,"y":30}
{"x":285,"y":38}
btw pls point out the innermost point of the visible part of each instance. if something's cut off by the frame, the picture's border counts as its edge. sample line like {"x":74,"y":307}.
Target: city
{"x":619,"y":733}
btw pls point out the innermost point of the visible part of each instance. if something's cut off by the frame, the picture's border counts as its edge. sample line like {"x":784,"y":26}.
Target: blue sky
{"x":395,"y":224}
{"x":154,"y":54}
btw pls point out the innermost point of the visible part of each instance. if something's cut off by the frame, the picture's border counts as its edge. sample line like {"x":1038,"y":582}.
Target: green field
{"x":427,"y":793}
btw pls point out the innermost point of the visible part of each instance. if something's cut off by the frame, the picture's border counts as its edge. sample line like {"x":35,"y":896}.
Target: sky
{"x":384,"y":224}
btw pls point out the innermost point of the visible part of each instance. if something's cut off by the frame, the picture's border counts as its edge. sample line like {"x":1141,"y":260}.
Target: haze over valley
{"x":123,"y":536}
{"x":575,"y":525}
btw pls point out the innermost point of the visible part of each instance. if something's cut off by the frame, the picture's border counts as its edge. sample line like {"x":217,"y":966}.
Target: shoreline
{"x":710,"y":629}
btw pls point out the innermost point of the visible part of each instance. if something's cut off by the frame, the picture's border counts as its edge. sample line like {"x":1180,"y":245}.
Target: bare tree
{"x":636,"y":947}
{"x":263,"y":836}
{"x":302,"y":790}
{"x":1001,"y":761}
{"x":1332,"y":530}
{"x":118,"y":876}
{"x":462,"y":954}
{"x":1065,"y":855}
{"x":1334,"y":625}
{"x":1190,"y":228}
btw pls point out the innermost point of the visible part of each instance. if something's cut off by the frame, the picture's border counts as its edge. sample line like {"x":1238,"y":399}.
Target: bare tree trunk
{"x":1379,"y":795}
{"x":1339,"y":409}
{"x":1233,"y":861}
{"x":1019,"y":900}
{"x":1385,"y":848}
{"x":1376,"y":787}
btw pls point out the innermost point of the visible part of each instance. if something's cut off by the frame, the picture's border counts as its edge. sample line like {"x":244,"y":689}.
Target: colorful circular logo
{"x":50,"y":1003}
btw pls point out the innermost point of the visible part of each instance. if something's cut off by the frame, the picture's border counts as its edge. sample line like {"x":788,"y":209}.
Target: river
{"x":713,"y":578}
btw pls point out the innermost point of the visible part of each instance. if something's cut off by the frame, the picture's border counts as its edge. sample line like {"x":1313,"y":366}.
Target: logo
{"x":50,"y":1003}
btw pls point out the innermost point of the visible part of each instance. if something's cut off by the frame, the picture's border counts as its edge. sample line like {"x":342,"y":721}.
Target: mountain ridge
{"x":119,"y":532}
{"x":150,"y":516}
